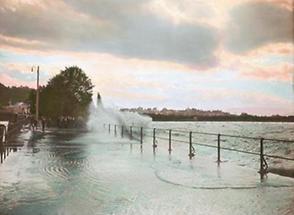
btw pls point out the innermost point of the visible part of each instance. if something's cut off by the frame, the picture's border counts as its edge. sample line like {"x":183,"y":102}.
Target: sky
{"x":235,"y":56}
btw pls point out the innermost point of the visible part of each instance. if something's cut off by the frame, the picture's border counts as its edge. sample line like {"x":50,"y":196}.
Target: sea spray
{"x":100,"y":115}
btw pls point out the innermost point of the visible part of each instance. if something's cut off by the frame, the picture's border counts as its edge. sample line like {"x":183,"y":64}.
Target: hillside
{"x":13,"y":94}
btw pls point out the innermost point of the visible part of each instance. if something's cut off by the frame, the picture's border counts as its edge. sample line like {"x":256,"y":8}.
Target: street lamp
{"x":37,"y":94}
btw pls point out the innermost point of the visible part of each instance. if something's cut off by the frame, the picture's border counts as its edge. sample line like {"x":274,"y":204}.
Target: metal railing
{"x":3,"y":140}
{"x":156,"y":134}
{"x":6,"y":133}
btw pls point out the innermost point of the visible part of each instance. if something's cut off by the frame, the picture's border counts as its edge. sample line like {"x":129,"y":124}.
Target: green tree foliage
{"x":67,"y":94}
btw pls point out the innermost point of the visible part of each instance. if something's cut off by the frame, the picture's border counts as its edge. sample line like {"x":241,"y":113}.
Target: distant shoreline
{"x":216,"y":121}
{"x":232,"y":118}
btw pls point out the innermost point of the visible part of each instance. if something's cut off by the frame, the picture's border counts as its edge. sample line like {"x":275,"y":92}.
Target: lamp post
{"x":37,"y":94}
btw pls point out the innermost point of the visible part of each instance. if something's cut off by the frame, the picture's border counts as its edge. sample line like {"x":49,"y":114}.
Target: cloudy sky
{"x":231,"y":55}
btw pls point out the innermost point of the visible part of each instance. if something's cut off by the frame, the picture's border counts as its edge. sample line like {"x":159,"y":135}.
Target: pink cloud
{"x":20,"y":43}
{"x":265,"y":63}
{"x":272,"y":48}
{"x":277,"y":73}
{"x":288,"y":4}
{"x":134,"y":96}
{"x":9,"y":81}
{"x":238,"y":101}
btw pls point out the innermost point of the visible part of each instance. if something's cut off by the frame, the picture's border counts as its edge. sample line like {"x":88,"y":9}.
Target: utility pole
{"x":37,"y":94}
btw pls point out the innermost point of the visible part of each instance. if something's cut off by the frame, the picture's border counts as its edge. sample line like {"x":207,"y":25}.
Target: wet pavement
{"x":70,"y":172}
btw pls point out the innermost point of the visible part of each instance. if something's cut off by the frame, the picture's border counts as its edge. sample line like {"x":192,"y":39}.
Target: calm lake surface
{"x":66,"y":172}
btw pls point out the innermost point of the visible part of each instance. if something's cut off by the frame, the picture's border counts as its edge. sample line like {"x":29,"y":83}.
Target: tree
{"x":66,"y":94}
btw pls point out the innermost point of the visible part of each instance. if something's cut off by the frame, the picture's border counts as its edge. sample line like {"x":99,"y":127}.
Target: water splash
{"x":100,"y":115}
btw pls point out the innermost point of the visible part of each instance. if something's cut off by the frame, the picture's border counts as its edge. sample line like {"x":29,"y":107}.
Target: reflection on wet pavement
{"x":67,"y":172}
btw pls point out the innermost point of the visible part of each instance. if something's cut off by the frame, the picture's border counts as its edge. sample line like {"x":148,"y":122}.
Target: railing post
{"x":4,"y":151}
{"x":154,"y":138}
{"x":169,"y":141}
{"x":115,"y":133}
{"x":1,"y":143}
{"x":218,"y":148}
{"x":109,"y":128}
{"x":141,"y":135}
{"x":131,"y":132}
{"x":6,"y":135}
{"x":122,"y":131}
{"x":191,"y":149}
{"x":2,"y":135}
{"x":261,"y":170}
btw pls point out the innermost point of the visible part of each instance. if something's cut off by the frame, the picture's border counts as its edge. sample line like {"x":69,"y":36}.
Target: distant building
{"x":19,"y":108}
{"x":188,"y":112}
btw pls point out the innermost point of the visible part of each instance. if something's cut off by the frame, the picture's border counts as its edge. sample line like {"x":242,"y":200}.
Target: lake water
{"x":280,"y":131}
{"x":69,"y":172}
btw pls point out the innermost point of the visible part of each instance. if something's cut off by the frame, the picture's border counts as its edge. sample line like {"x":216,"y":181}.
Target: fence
{"x":138,"y":133}
{"x":3,"y":139}
{"x":6,"y":134}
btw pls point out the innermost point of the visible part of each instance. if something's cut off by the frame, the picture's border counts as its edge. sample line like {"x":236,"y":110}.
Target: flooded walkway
{"x":68,"y":172}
